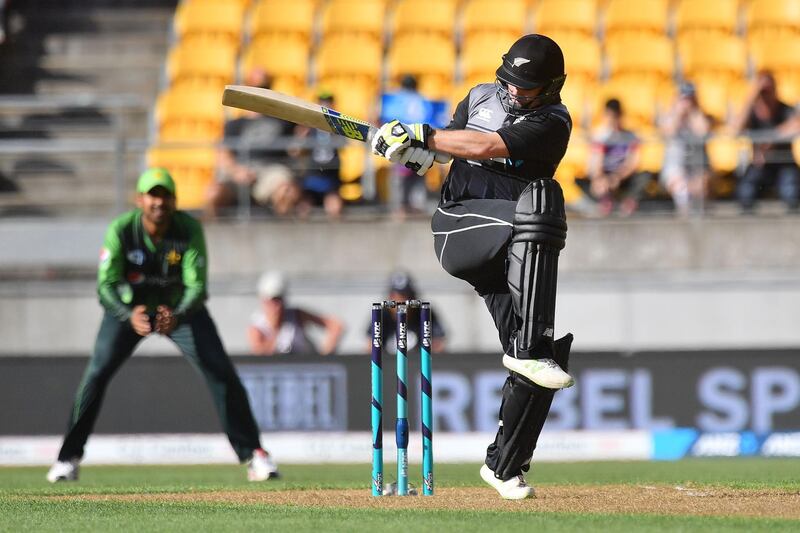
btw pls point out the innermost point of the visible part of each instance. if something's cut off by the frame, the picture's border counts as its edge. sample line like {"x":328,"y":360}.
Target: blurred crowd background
{"x":701,"y":92}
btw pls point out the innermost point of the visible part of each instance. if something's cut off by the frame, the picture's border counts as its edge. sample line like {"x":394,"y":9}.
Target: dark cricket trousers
{"x":198,"y":340}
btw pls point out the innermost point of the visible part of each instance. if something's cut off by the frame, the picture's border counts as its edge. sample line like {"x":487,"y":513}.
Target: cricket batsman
{"x":500,"y":226}
{"x":152,"y":278}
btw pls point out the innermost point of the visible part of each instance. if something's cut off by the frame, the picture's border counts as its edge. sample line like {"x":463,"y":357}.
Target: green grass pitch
{"x":182,"y":498}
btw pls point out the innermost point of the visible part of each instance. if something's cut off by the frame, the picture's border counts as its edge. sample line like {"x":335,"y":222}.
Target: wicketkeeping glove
{"x":394,"y":137}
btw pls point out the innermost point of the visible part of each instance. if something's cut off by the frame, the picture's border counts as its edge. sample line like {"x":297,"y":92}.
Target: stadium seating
{"x":353,"y":158}
{"x":189,"y":115}
{"x":508,"y":16}
{"x":439,"y":18}
{"x":721,"y":56}
{"x":641,"y":102}
{"x":210,"y":18}
{"x":355,"y":60}
{"x":481,"y":54}
{"x":636,"y":16}
{"x":718,"y":96}
{"x":575,"y":96}
{"x":641,"y":56}
{"x":285,"y":59}
{"x":766,"y":17}
{"x":198,"y":62}
{"x":566,"y":16}
{"x":582,"y":56}
{"x":430,"y":58}
{"x":294,"y":19}
{"x":704,"y":16}
{"x":192,"y":169}
{"x":354,"y":17}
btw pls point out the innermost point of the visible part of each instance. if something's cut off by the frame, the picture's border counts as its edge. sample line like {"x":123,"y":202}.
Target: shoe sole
{"x":514,"y":365}
{"x":488,"y":476}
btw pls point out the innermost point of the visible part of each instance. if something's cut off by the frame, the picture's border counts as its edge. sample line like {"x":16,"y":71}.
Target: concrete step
{"x":143,"y":82}
{"x":97,"y":20}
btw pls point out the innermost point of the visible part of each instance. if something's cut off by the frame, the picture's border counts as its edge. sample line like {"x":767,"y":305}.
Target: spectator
{"x":277,"y":328}
{"x":317,"y":153}
{"x":401,"y":289}
{"x":253,"y":161}
{"x":408,"y":190}
{"x":613,"y":163}
{"x":685,"y":171}
{"x":771,"y":123}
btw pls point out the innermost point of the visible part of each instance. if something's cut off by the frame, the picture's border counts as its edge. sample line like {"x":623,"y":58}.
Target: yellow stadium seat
{"x":439,"y":17}
{"x":769,"y":16}
{"x":582,"y":55}
{"x":492,"y":16}
{"x":574,"y":165}
{"x":198,"y":62}
{"x":189,"y":115}
{"x":693,"y":16}
{"x":647,"y":56}
{"x":779,"y":55}
{"x":293,"y":19}
{"x":575,"y":95}
{"x":481,"y":54}
{"x":723,"y":56}
{"x":726,"y":154}
{"x":357,"y":60}
{"x":559,"y":16}
{"x":209,"y":17}
{"x":354,"y":17}
{"x":430,"y":58}
{"x":636,"y":16}
{"x":192,"y":169}
{"x":356,"y":100}
{"x":641,"y":102}
{"x":719,"y":96}
{"x":651,"y":155}
{"x":353,"y":158}
{"x":281,"y":57}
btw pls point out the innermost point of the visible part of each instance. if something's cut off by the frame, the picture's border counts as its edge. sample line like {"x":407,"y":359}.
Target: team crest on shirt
{"x":173,"y":257}
{"x":136,"y":257}
{"x":484,"y":114}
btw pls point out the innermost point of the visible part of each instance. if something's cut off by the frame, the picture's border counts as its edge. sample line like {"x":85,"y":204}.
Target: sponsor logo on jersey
{"x":136,"y":257}
{"x":173,"y":257}
{"x":548,"y":332}
{"x":484,"y":114}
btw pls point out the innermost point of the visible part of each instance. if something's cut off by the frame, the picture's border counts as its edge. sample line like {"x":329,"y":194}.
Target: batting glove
{"x":417,"y":159}
{"x":393,"y":138}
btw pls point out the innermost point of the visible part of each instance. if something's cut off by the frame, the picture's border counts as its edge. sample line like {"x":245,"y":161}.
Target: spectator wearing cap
{"x":316,"y":154}
{"x":276,"y":328}
{"x":401,"y":289}
{"x":685,"y":171}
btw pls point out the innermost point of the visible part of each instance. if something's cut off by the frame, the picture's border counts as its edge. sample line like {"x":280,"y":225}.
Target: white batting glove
{"x":417,"y":159}
{"x":393,"y":138}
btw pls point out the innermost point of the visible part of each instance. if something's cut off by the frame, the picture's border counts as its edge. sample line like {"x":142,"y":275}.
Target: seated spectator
{"x":401,"y":289}
{"x":685,"y":171}
{"x":277,"y":328}
{"x":317,"y":156}
{"x":253,"y":161}
{"x":771,"y":123}
{"x":613,"y":164}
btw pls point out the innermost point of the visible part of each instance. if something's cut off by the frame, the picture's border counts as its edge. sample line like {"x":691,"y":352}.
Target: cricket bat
{"x":298,"y":111}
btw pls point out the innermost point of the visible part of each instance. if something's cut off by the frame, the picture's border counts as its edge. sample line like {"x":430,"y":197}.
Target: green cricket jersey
{"x":134,"y":271}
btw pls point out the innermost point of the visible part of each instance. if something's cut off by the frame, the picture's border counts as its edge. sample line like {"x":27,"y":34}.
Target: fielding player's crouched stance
{"x":500,"y":226}
{"x":152,"y":279}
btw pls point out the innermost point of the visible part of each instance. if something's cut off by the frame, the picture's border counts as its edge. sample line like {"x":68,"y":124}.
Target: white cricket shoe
{"x":64,"y":471}
{"x":543,"y":372}
{"x":261,"y":467}
{"x":515,"y":488}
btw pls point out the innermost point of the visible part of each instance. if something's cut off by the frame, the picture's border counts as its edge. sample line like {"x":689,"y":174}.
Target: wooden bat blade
{"x":296,"y":110}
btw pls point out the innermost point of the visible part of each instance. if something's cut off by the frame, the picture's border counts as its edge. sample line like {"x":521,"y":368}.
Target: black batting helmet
{"x":534,"y":61}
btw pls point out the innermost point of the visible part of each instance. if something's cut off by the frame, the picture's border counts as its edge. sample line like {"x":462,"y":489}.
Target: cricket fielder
{"x":500,"y":226}
{"x":152,"y":278}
